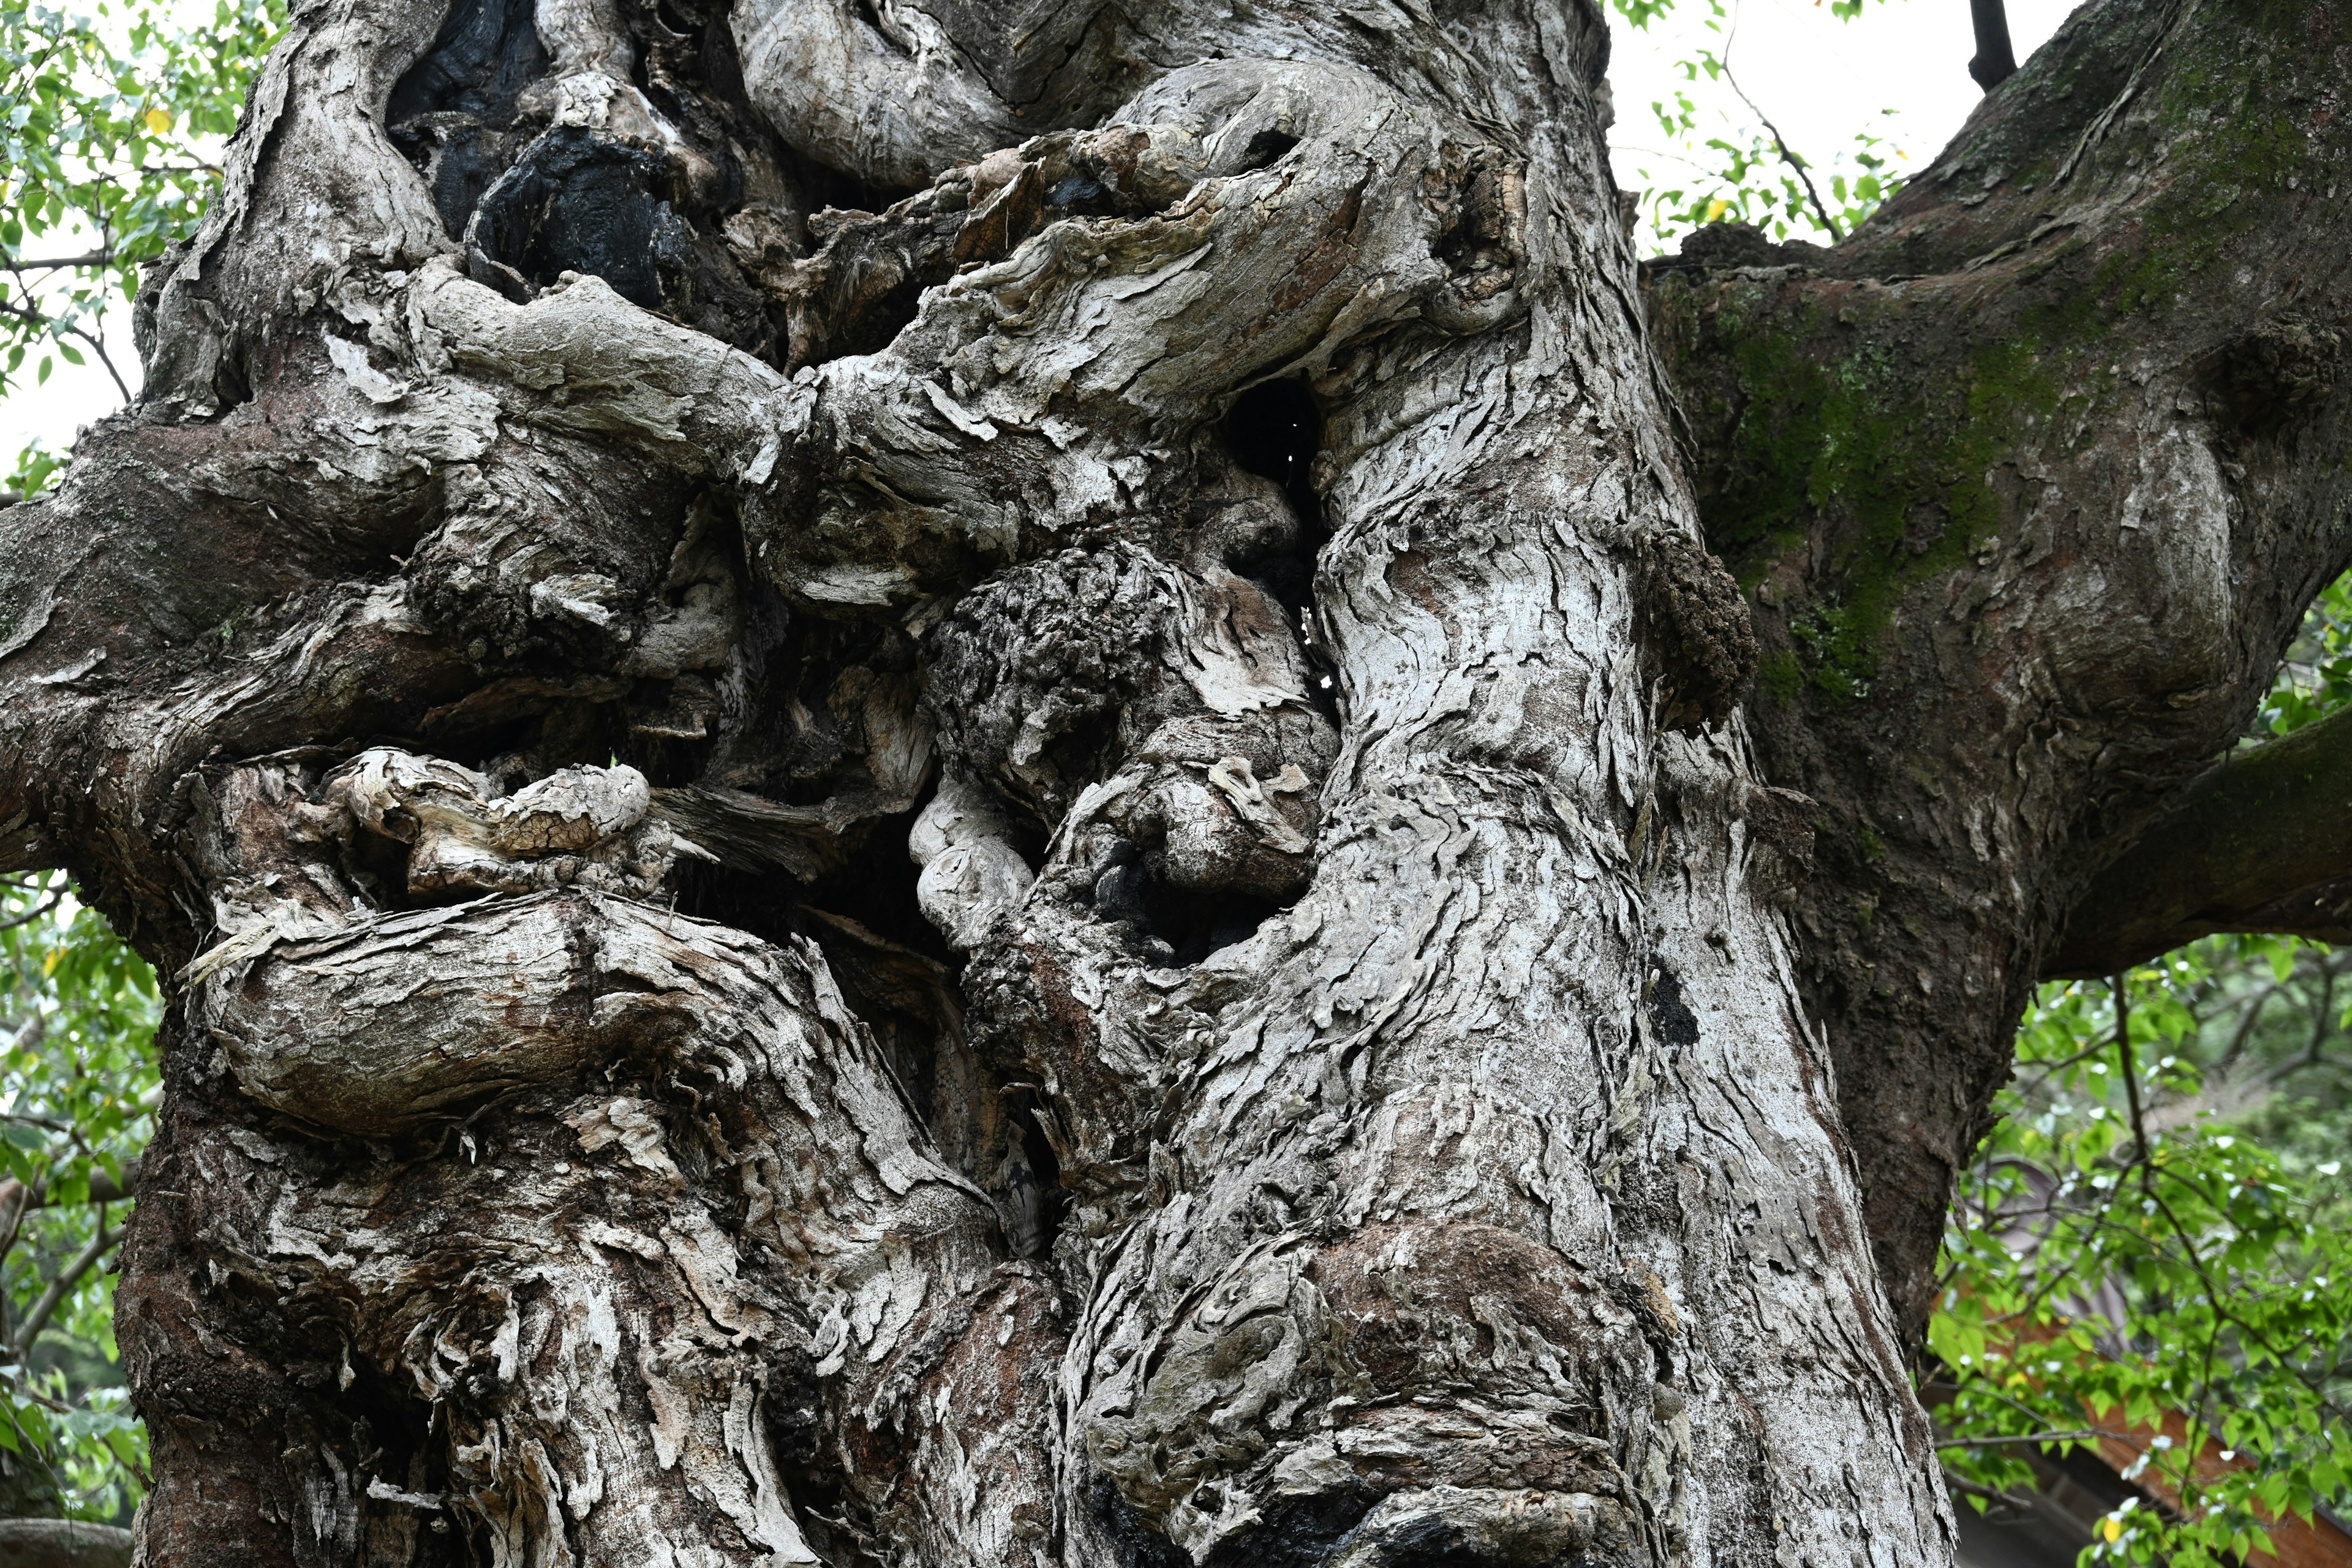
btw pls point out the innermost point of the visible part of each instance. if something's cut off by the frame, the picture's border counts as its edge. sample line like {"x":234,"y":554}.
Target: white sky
{"x":1820,"y":79}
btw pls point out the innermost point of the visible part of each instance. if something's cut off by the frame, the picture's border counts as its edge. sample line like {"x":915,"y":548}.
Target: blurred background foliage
{"x":77,"y":1092}
{"x":114,"y":119}
{"x":2150,"y":1258}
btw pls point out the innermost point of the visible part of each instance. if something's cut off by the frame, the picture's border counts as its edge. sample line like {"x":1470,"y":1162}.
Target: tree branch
{"x":1781,"y":143}
{"x":1995,"y":60}
{"x":2083,"y":1435}
{"x":2260,"y":842}
{"x":101,"y":257}
{"x":67,"y":1277}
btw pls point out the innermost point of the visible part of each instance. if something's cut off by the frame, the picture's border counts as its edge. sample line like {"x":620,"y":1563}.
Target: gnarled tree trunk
{"x":963,"y":784}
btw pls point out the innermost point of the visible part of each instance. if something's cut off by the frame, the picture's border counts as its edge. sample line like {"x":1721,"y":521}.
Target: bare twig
{"x":67,"y":1277}
{"x":2083,"y":1435}
{"x":49,"y":323}
{"x":1779,"y":143}
{"x":31,"y":915}
{"x":103,"y":257}
{"x":1969,"y":1488}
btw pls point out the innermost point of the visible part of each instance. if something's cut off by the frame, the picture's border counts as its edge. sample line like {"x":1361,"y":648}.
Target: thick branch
{"x":63,"y":1543}
{"x":2261,"y":842}
{"x":99,"y":1246}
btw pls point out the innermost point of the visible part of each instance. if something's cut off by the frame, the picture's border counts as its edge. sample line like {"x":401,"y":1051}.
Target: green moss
{"x":1781,"y":678}
{"x":1865,"y":446}
{"x":1898,"y":469}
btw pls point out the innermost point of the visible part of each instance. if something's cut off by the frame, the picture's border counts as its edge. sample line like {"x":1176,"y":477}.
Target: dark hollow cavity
{"x":1173,"y":926}
{"x":1267,"y":147}
{"x":1275,"y":430}
{"x":454,"y":113}
{"x":581,"y":204}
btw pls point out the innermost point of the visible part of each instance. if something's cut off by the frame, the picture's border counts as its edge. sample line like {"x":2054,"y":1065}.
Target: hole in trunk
{"x":453,"y":113}
{"x":1171,"y":926}
{"x":1274,"y":431}
{"x":580,"y":203}
{"x":1034,"y":1201}
{"x":1268,"y":146}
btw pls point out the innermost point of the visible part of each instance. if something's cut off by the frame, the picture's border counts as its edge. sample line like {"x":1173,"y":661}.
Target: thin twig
{"x":60,"y":263}
{"x":2082,"y":1435}
{"x":31,"y":915}
{"x":1780,"y":144}
{"x":51,"y":324}
{"x":1959,"y":1484}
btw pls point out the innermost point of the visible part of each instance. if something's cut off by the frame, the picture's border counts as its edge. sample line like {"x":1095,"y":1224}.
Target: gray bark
{"x":63,"y":1543}
{"x":963,"y":786}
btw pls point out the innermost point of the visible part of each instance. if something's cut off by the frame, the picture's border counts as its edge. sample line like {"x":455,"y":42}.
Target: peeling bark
{"x":962,"y":784}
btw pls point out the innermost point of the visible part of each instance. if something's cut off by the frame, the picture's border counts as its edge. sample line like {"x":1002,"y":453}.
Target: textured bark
{"x":64,"y":1543}
{"x":962,"y":785}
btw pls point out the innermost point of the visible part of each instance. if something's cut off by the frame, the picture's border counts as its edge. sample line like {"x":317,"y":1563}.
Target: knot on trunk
{"x":579,"y":826}
{"x":1465,"y":1388}
{"x":2284,"y":368}
{"x":1168,"y":708}
{"x":1697,"y":624}
{"x":1030,"y":673}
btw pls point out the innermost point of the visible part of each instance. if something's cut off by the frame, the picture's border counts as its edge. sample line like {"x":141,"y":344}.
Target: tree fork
{"x":839,"y":896}
{"x":2030,"y":483}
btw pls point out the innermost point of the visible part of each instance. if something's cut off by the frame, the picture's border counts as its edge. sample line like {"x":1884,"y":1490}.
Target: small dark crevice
{"x":1080,"y":196}
{"x":1130,"y":1536}
{"x":872,"y":19}
{"x":2274,"y":377}
{"x":827,"y":188}
{"x":1299,"y":1532}
{"x":875,"y":887}
{"x":1267,"y":147}
{"x":1036,"y":1198}
{"x":1676,"y":1025}
{"x":1171,"y":926}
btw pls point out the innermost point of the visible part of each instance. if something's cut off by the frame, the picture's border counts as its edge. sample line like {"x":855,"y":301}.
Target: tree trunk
{"x":962,"y":785}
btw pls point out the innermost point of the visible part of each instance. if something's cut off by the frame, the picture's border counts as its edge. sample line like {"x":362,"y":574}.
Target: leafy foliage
{"x":77,"y":1090}
{"x":2317,"y":680}
{"x":1725,"y":161}
{"x":111,"y":124}
{"x":2150,"y":1256}
{"x":112,"y":119}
